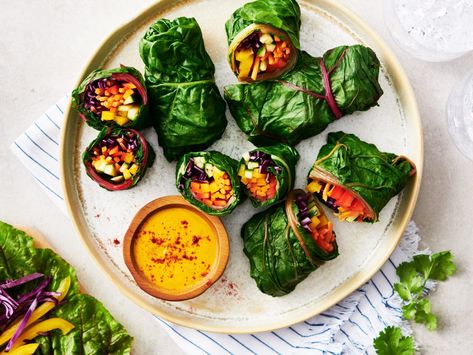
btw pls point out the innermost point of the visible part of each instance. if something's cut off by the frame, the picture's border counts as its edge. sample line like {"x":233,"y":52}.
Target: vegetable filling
{"x":261,"y":53}
{"x":209,"y":185}
{"x":258,"y":175}
{"x":113,"y":100}
{"x":313,"y":220}
{"x":347,"y":206}
{"x":114,"y":158}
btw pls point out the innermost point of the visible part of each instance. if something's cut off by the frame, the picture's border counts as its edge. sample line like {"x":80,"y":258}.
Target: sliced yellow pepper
{"x":27,"y":349}
{"x":38,"y":312}
{"x":43,"y":327}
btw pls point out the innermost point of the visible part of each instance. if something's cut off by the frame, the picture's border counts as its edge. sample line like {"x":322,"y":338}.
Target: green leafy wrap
{"x":303,"y":102}
{"x":95,"y":331}
{"x":89,"y":105}
{"x":352,"y":170}
{"x":209,"y":180}
{"x":267,"y":174}
{"x":282,"y":253}
{"x":187,"y":109}
{"x":275,"y":17}
{"x":133,"y":152}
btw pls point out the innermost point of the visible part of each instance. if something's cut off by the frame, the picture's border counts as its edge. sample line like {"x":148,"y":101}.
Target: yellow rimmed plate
{"x":234,"y":304}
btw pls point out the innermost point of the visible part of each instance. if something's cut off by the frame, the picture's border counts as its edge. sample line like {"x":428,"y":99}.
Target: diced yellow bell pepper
{"x":38,"y":312}
{"x":245,"y":57}
{"x":43,"y":327}
{"x":325,"y":193}
{"x":107,"y":116}
{"x":314,"y":186}
{"x":121,"y":121}
{"x":213,"y":187}
{"x":27,"y":349}
{"x":241,"y":171}
{"x":134,"y":169}
{"x":127,"y":174}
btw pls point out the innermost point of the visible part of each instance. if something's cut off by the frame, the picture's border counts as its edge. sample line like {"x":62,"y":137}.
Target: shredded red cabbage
{"x":302,"y":202}
{"x":194,"y":173}
{"x":23,"y":304}
{"x":266,"y":164}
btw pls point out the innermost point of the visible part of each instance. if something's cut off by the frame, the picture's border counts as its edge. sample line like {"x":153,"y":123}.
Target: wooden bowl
{"x":151,"y":288}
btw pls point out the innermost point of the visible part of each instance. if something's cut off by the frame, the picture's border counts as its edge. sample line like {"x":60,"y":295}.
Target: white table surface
{"x":43,"y":47}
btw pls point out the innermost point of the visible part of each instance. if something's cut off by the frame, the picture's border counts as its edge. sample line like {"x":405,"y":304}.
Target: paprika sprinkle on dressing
{"x":175,"y":248}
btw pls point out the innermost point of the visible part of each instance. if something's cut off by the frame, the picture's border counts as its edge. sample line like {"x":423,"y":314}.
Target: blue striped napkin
{"x":348,"y":327}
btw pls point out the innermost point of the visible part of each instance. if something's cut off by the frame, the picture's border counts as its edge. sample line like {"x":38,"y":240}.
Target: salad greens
{"x":303,"y":102}
{"x":95,"y":331}
{"x":413,"y":277}
{"x":187,"y":109}
{"x":390,"y":341}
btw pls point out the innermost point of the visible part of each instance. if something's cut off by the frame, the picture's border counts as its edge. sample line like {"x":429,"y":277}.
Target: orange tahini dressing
{"x":175,"y":248}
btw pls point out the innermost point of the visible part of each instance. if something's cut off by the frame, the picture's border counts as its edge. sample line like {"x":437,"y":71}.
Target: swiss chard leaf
{"x":295,"y":106}
{"x":360,"y":166}
{"x":95,"y":332}
{"x":186,"y":106}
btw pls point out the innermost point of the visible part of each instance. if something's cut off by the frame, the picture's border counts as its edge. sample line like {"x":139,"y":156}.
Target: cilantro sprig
{"x":413,"y":277}
{"x":391,"y":342}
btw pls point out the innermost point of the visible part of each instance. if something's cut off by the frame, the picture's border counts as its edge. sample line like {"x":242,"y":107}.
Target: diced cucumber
{"x":270,"y":47}
{"x":133,"y":112}
{"x":246,"y":156}
{"x":248,"y":174}
{"x":209,"y":170}
{"x":100,"y":166}
{"x":252,"y":165}
{"x":261,"y":51}
{"x":124,"y":108}
{"x":314,"y":211}
{"x":110,"y":170}
{"x":124,"y":167}
{"x":199,"y":161}
{"x":263,"y":66}
{"x":266,"y":38}
{"x":129,"y":100}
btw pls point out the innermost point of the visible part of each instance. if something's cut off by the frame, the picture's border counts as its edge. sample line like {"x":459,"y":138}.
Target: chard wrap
{"x":369,"y":175}
{"x":303,"y":102}
{"x":124,"y":141}
{"x":276,"y":173}
{"x":90,"y":108}
{"x":278,"y":17}
{"x":187,"y":109}
{"x":281,"y":251}
{"x":209,"y":181}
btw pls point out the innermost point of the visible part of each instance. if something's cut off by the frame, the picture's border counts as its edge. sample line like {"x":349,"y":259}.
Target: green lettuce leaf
{"x":187,"y":108}
{"x":376,"y":176}
{"x":95,"y":332}
{"x":293,"y":107}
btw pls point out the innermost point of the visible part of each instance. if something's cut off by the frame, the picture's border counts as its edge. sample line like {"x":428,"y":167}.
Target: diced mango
{"x":213,"y":187}
{"x":107,"y":116}
{"x":126,"y":174}
{"x":205,"y":187}
{"x":241,"y":171}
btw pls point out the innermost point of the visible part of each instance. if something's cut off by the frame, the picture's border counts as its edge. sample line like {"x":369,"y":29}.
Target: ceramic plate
{"x":234,"y":304}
